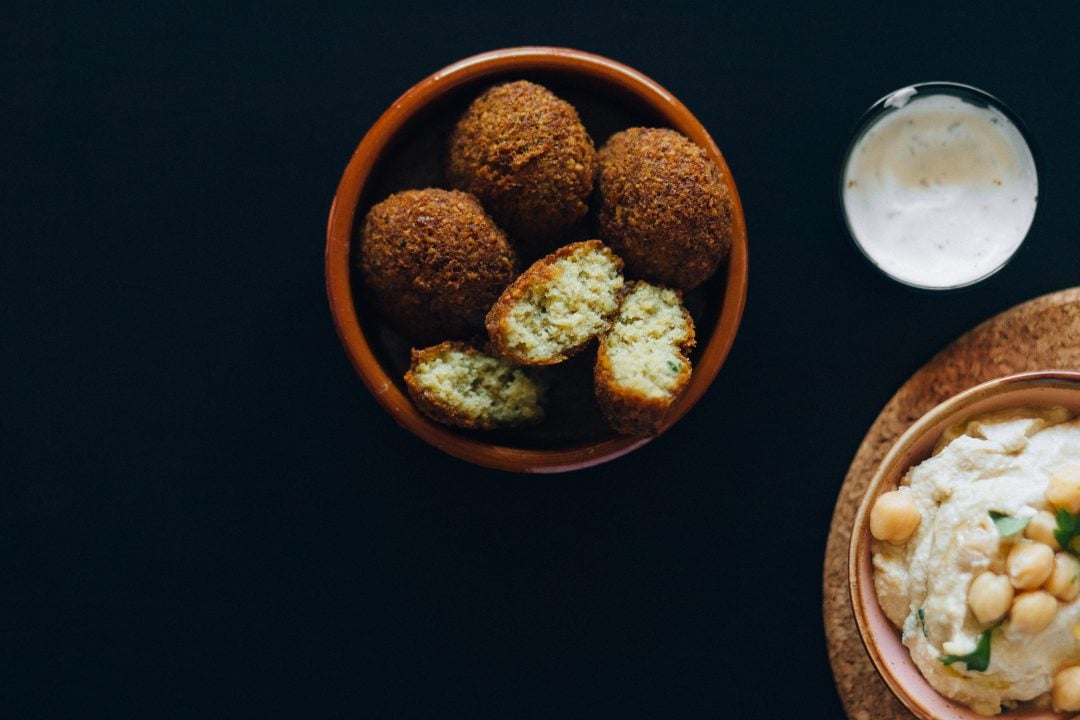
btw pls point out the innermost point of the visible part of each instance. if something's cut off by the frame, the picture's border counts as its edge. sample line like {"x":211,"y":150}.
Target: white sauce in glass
{"x":939,"y":192}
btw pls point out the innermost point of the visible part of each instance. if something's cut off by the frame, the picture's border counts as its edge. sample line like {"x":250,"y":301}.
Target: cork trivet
{"x":1041,"y":334}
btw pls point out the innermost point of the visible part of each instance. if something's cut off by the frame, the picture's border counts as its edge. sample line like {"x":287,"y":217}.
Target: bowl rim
{"x":339,"y":233}
{"x":858,"y":547}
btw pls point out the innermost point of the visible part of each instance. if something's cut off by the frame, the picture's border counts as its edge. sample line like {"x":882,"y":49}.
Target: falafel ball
{"x":525,"y":154}
{"x":434,"y":262}
{"x":664,"y":207}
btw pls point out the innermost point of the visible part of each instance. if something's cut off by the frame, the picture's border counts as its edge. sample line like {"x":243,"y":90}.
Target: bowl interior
{"x":881,"y":638}
{"x":412,"y":155}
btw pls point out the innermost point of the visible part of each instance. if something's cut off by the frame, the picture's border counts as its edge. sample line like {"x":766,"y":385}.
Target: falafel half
{"x":525,"y":154}
{"x":663,"y":206}
{"x":554,"y":308}
{"x":456,"y":384}
{"x":434,"y":262}
{"x":642,"y":364}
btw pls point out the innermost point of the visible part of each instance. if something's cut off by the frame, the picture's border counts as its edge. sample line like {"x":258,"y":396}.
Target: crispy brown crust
{"x":539,"y":272}
{"x":524,"y":152}
{"x":663,"y":206}
{"x":440,"y":411}
{"x":433,"y":262}
{"x":629,"y":412}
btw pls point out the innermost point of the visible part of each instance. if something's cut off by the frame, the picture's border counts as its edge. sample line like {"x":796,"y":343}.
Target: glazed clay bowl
{"x":405,"y":149}
{"x":880,"y":637}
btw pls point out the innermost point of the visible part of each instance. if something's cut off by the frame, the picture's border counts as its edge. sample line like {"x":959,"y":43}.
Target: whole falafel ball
{"x":434,"y":262}
{"x":525,"y":154}
{"x":663,"y":206}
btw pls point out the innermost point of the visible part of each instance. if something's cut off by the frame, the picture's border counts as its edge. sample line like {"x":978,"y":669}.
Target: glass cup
{"x":939,"y":185}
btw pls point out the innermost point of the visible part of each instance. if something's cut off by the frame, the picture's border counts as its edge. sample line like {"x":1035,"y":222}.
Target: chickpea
{"x":1032,"y":612}
{"x":894,"y":517}
{"x":1066,"y":693}
{"x":1064,"y":581}
{"x":1041,"y":529}
{"x":1063,"y":490}
{"x":1029,"y":564}
{"x":990,"y":597}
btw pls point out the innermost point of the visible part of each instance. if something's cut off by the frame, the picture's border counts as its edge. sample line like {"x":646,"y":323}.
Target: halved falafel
{"x":456,"y":384}
{"x":663,"y":206}
{"x":553,"y":309}
{"x":525,"y":154}
{"x":434,"y":262}
{"x":642,"y":364}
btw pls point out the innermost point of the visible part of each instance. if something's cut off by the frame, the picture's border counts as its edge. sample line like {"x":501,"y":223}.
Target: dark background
{"x":205,"y":513}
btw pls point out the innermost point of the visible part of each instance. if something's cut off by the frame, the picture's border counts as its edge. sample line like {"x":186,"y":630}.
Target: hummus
{"x":995,"y":463}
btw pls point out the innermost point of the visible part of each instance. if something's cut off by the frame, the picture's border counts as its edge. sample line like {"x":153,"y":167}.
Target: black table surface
{"x":206,"y":513}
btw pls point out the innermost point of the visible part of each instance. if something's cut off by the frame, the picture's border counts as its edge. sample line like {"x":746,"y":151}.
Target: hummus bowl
{"x":891,"y":658}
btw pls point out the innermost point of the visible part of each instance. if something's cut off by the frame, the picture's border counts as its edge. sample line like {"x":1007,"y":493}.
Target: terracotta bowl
{"x":882,"y":638}
{"x":405,"y":149}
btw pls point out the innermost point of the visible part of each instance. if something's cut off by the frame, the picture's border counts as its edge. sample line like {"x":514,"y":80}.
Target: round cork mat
{"x":1041,"y":334}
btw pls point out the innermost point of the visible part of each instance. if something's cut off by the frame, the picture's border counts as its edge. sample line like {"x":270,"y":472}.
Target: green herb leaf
{"x":1068,"y":527}
{"x":1007,"y":525}
{"x":673,"y":366}
{"x":978,"y":660}
{"x":920,"y":614}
